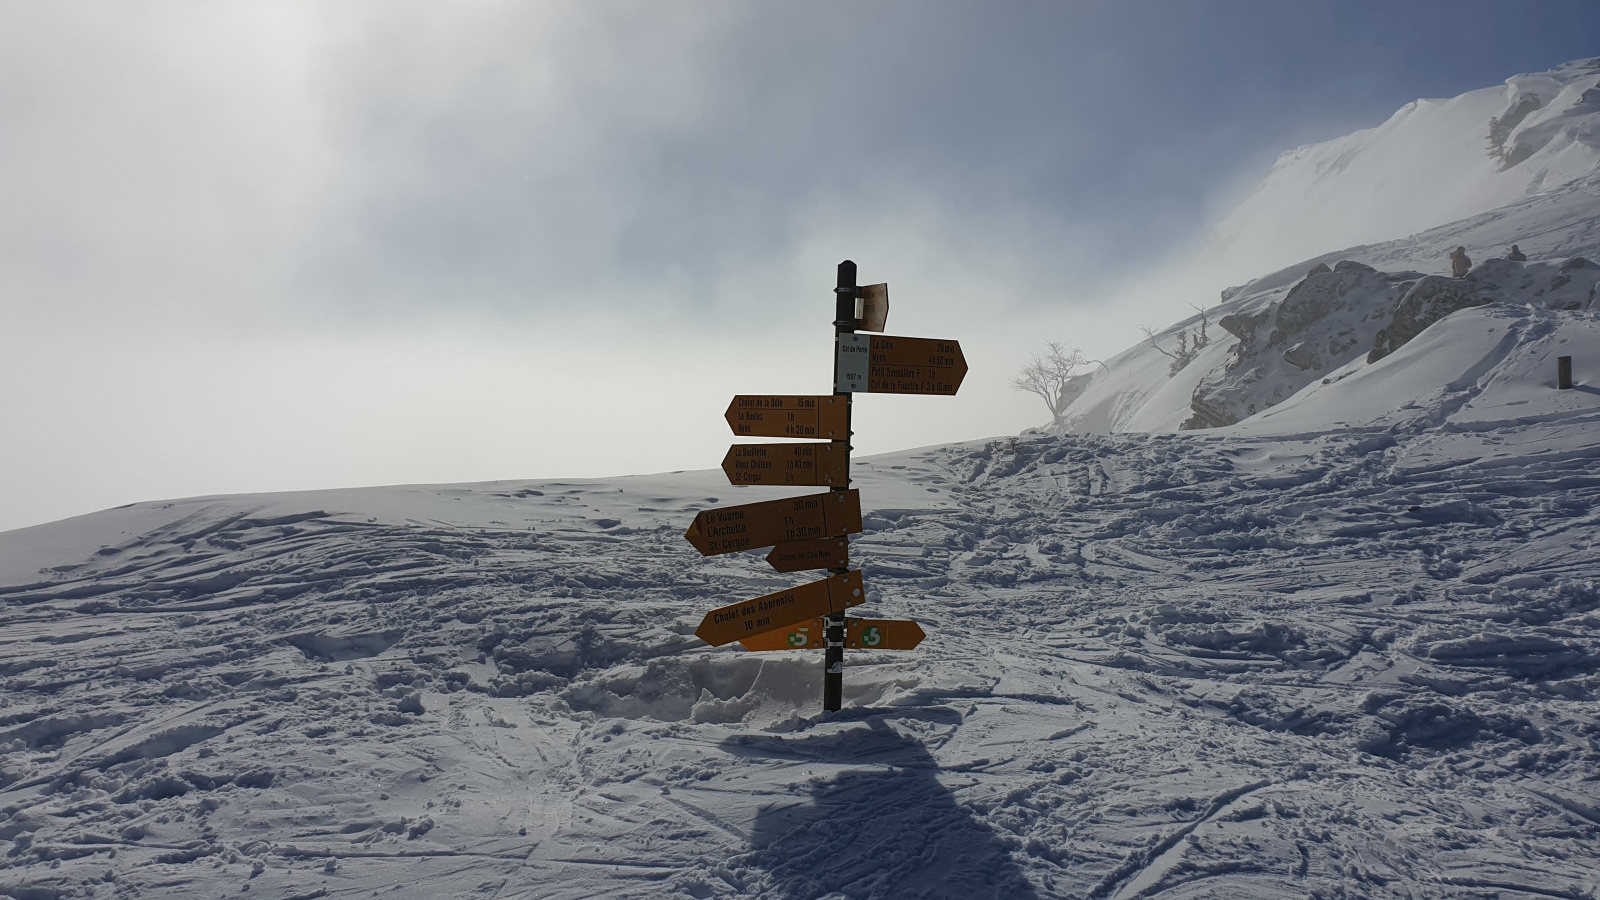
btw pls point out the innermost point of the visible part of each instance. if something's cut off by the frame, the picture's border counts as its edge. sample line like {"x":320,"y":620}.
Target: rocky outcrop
{"x":1430,"y":300}
{"x":1333,"y":316}
{"x":1243,"y":325}
{"x":1325,"y":320}
{"x":1569,"y":285}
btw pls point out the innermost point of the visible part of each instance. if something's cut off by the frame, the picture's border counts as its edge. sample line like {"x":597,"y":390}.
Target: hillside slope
{"x":1433,"y":161}
{"x":1298,"y":325}
{"x":1350,"y":662}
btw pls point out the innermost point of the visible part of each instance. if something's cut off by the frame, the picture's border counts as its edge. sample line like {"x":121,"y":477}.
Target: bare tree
{"x":1050,"y":377}
{"x":1200,"y":339}
{"x":1189,"y":344}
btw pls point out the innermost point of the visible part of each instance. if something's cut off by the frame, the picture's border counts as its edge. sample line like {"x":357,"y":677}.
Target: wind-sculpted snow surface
{"x":1354,"y":663}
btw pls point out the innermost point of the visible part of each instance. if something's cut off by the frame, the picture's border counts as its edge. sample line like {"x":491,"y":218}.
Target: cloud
{"x":362,"y":166}
{"x":159,"y":160}
{"x":634,"y":157}
{"x":264,"y":246}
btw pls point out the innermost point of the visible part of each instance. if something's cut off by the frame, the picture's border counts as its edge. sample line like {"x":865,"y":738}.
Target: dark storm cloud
{"x":654,"y":152}
{"x":535,"y":155}
{"x":371,"y":161}
{"x":375,"y":160}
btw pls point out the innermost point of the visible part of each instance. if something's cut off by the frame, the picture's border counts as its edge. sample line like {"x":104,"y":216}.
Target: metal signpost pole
{"x":844,"y":322}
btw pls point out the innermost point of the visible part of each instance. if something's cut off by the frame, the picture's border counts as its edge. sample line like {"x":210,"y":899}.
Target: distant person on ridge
{"x":1460,"y":262}
{"x":1516,"y":254}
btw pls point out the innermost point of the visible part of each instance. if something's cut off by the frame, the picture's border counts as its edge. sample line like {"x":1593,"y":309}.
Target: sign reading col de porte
{"x":884,"y":364}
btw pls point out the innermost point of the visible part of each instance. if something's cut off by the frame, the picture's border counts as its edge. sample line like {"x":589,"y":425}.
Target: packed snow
{"x":1270,"y":660}
{"x":1346,"y":644}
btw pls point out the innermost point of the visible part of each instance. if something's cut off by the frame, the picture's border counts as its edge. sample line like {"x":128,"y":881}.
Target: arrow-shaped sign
{"x":787,"y":464}
{"x":789,"y":416}
{"x":882,"y":634}
{"x":874,"y":307}
{"x":860,"y":634}
{"x":755,"y":525}
{"x":833,"y":594}
{"x":799,"y":636}
{"x":884,"y":364}
{"x":797,"y":556}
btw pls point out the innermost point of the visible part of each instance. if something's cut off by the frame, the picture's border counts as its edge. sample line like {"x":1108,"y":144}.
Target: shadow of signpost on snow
{"x":885,"y":829}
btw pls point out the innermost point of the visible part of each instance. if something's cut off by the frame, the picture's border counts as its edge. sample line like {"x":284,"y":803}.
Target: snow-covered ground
{"x":1347,"y":646}
{"x":1264,"y":661}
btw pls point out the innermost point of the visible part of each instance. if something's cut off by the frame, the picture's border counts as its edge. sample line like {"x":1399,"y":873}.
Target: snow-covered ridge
{"x":1294,"y":326}
{"x":1432,"y":162}
{"x":1307,"y":352}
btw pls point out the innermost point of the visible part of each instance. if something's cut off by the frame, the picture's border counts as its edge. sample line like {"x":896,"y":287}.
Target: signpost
{"x":799,"y":464}
{"x":810,"y":531}
{"x":833,"y":594}
{"x":756,"y":525}
{"x":882,"y":364}
{"x":789,"y":416}
{"x":797,"y":556}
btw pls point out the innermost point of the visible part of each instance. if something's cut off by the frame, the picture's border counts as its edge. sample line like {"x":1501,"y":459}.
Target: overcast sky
{"x":270,"y":246}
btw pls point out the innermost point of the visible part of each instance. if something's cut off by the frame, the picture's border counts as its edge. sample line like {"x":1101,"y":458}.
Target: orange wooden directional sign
{"x":833,"y":594}
{"x":797,"y":556}
{"x":805,"y":635}
{"x":859,"y":634}
{"x":882,"y":634}
{"x":755,"y":525}
{"x":885,"y":364}
{"x":809,"y":463}
{"x":788,"y":415}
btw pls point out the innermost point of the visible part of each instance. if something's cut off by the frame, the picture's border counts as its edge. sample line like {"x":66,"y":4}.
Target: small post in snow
{"x":1563,"y":373}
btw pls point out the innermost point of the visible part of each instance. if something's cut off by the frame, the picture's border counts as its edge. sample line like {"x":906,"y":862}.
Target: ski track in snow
{"x":1356,"y":663}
